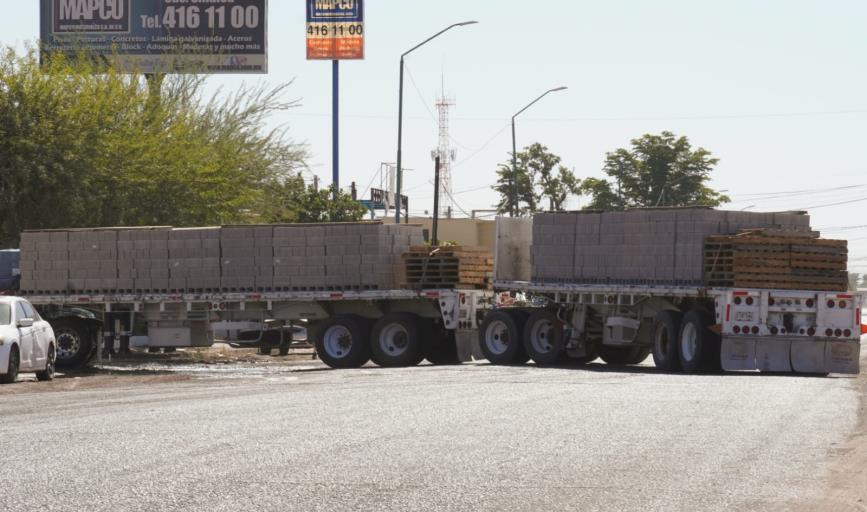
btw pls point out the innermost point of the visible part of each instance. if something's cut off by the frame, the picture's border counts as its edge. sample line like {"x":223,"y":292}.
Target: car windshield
{"x":5,"y":314}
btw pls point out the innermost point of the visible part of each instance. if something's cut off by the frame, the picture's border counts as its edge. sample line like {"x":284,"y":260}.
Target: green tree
{"x":658,"y":170}
{"x":541,"y":179}
{"x":855,"y":280}
{"x":84,"y":146}
{"x":290,"y":200}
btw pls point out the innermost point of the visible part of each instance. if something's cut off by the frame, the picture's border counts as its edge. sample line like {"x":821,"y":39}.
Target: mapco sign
{"x":91,"y":16}
{"x":335,"y":29}
{"x":160,"y":36}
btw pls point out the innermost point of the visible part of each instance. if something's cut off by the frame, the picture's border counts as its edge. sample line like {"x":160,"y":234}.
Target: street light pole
{"x":398,"y":199}
{"x":515,"y":150}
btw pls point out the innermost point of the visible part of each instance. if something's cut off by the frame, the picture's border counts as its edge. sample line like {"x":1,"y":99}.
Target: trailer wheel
{"x":544,"y":338}
{"x":441,"y":348}
{"x":74,"y":343}
{"x":666,"y":329}
{"x":621,"y":356}
{"x":699,"y":348}
{"x":396,"y":341}
{"x":342,"y":342}
{"x":500,"y":337}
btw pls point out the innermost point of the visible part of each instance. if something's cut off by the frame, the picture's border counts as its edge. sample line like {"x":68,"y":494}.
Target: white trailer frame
{"x":185,"y":320}
{"x":770,"y":330}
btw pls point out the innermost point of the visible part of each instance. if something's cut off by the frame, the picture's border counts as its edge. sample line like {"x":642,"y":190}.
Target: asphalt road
{"x":474,"y":437}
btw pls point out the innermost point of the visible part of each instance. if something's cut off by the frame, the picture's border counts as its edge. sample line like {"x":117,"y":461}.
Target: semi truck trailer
{"x":684,"y":326}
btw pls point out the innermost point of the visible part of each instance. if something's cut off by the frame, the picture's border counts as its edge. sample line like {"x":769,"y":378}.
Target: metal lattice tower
{"x":446,"y":154}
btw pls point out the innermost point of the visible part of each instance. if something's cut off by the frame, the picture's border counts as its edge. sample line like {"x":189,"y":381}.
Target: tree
{"x":84,"y":146}
{"x":541,"y":179}
{"x":855,"y":279}
{"x":659,"y":170}
{"x":289,"y":201}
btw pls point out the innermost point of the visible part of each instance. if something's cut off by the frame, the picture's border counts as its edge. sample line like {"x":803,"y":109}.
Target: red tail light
{"x":810,"y":303}
{"x":847,"y":333}
{"x":831,"y":304}
{"x":811,"y":331}
{"x":838,"y":333}
{"x":750,"y":301}
{"x":829,"y":332}
{"x":755,"y":330}
{"x":737,"y":329}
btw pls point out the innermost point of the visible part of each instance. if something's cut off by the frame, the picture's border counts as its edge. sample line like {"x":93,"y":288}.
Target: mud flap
{"x":468,"y":346}
{"x":808,"y":356}
{"x":738,"y":354}
{"x":773,"y":355}
{"x":843,"y":357}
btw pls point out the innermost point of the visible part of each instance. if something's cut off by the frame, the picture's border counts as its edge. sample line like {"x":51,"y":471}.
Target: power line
{"x":859,"y":200}
{"x":708,"y":117}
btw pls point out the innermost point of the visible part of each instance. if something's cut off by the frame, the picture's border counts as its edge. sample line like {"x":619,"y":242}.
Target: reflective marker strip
{"x":728,"y":312}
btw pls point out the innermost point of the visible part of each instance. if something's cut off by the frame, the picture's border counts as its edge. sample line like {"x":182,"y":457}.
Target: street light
{"x":398,"y":199}
{"x":515,"y":151}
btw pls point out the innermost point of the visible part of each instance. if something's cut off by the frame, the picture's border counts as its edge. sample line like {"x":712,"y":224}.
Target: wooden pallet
{"x":762,"y":259}
{"x":448,"y":267}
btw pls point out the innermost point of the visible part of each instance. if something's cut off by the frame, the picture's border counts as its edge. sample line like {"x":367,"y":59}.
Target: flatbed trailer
{"x":407,"y":325}
{"x":690,"y":329}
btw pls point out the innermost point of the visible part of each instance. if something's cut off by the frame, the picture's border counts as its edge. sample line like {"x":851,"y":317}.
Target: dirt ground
{"x":846,"y":484}
{"x":141,"y":368}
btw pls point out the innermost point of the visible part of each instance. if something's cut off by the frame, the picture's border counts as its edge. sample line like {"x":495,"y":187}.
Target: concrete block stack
{"x":194,"y":259}
{"x":246,"y":262}
{"x":360,"y":256}
{"x":44,"y":261}
{"x":653,"y":246}
{"x":143,"y":260}
{"x":92,"y":260}
{"x":347,"y":256}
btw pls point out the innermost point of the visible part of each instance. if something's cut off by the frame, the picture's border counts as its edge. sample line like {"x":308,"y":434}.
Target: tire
{"x":264,"y":351}
{"x":342,"y":341}
{"x":11,"y":374}
{"x":501,"y":337}
{"x":48,"y":373}
{"x":396,"y":341}
{"x":74,"y":343}
{"x":544,"y":338}
{"x":622,"y":356}
{"x":441,"y":348}
{"x":699,"y":348}
{"x":666,"y":329}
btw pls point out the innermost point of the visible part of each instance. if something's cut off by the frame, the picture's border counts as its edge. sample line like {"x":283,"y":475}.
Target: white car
{"x":27,"y":341}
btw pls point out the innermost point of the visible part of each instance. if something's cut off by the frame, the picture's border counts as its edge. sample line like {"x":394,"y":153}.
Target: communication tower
{"x":447,"y":156}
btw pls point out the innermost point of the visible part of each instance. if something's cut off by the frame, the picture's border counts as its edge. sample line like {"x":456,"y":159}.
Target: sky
{"x":774,"y":89}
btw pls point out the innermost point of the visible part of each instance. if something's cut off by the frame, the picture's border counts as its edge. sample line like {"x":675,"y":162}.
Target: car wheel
{"x":48,"y":373}
{"x":11,"y":370}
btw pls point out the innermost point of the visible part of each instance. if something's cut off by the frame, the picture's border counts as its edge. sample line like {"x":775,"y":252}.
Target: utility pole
{"x":436,"y":212}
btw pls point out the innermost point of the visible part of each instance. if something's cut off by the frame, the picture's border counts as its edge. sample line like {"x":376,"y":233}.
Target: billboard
{"x":161,"y":36}
{"x":335,"y":29}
